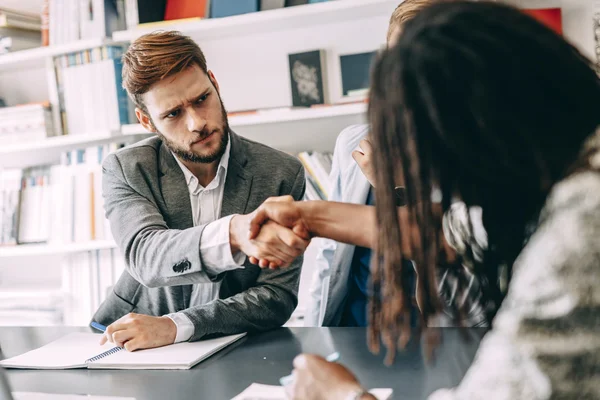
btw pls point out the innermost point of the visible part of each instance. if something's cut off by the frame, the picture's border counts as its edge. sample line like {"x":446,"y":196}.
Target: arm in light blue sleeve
{"x":320,"y":281}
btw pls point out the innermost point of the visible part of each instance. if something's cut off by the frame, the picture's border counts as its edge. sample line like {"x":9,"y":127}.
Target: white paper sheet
{"x":256,"y":391}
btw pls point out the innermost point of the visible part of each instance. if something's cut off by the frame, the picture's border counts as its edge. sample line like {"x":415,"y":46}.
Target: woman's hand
{"x":364,"y":159}
{"x":283,"y":211}
{"x":317,"y":379}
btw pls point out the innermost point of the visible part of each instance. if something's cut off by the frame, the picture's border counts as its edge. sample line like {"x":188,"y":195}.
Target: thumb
{"x":300,"y":361}
{"x":358,"y":156}
{"x":258,"y":219}
{"x":280,"y":199}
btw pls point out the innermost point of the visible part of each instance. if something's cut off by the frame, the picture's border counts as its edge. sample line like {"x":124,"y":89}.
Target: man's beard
{"x":190,"y":155}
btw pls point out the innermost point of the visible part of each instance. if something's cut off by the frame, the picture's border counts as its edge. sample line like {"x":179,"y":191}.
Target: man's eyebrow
{"x":175,"y":108}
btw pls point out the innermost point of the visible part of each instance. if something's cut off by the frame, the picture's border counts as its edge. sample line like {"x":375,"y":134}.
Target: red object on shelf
{"x":552,"y":17}
{"x":181,"y":9}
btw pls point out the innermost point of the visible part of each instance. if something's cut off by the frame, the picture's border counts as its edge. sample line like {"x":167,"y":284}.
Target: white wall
{"x":576,"y":18}
{"x":253,"y":70}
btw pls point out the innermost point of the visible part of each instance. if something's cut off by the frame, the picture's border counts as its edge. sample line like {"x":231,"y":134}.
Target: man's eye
{"x":201,"y":99}
{"x":173,"y":114}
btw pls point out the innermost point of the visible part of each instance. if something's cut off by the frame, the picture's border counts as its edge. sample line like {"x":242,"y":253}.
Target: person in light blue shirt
{"x":339,"y":290}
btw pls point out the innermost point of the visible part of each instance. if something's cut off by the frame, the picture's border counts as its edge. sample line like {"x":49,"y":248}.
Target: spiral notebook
{"x":81,"y":350}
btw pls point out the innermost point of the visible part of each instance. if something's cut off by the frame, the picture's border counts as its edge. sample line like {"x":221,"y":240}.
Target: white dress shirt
{"x":215,"y":249}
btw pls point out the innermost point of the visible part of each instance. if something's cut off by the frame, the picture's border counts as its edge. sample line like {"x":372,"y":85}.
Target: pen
{"x":286,"y":380}
{"x":98,"y":326}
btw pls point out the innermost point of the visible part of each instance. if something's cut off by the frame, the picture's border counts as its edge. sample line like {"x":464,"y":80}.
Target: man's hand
{"x":284,"y":211}
{"x":138,"y":331}
{"x":317,"y":379}
{"x":276,"y":245}
{"x":364,"y":159}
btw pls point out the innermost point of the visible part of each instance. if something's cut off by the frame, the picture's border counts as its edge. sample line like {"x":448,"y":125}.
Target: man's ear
{"x":212,"y":78}
{"x":145,"y":120}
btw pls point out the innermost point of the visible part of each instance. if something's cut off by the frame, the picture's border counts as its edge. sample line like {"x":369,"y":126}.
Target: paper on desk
{"x":48,"y":396}
{"x":256,"y":391}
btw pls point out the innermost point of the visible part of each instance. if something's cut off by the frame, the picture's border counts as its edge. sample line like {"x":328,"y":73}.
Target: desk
{"x":261,"y":358}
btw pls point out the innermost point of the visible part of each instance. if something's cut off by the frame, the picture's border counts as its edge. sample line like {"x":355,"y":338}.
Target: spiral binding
{"x":105,"y":354}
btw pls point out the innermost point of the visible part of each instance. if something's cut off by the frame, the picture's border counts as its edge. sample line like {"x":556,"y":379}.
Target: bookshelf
{"x":36,"y":58}
{"x":298,"y":17}
{"x":36,"y":250}
{"x":20,"y":155}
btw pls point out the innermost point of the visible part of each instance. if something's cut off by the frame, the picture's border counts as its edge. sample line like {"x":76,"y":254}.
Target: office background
{"x":57,"y":257}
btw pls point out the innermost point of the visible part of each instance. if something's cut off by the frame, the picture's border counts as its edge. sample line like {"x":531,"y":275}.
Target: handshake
{"x":273,"y":236}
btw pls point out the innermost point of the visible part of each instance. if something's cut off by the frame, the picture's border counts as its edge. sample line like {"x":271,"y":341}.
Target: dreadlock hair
{"x":479,"y":102}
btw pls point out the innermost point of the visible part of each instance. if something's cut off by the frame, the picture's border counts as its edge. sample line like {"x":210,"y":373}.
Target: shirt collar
{"x":191,"y":180}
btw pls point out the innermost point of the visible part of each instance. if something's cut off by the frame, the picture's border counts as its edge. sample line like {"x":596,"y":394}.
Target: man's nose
{"x":195,"y":121}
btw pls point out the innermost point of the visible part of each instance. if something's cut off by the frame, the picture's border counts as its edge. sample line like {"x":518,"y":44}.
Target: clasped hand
{"x":273,"y":236}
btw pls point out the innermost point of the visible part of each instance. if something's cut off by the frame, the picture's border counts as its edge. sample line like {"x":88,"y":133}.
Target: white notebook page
{"x":176,"y":356}
{"x":70,"y":351}
{"x":257,"y":391}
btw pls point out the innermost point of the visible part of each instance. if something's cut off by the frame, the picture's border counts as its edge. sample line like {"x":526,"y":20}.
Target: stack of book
{"x":25,"y":123}
{"x":72,"y":20}
{"x":19,"y":31}
{"x":59,"y":203}
{"x":318,"y":167}
{"x":90,"y":92}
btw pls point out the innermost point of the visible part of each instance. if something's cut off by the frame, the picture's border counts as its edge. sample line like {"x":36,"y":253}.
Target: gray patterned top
{"x":545,"y":342}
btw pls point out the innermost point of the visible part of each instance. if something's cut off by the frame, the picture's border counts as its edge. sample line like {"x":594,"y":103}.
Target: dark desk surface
{"x":262,"y":358}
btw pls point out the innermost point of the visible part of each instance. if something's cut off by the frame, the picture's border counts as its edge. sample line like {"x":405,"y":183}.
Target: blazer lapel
{"x":239,"y":180}
{"x":174,"y":191}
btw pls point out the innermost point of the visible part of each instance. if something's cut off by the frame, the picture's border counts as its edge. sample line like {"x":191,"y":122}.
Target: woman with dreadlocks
{"x":481,"y":104}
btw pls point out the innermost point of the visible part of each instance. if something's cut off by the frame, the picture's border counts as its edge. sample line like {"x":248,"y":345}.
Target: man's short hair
{"x":406,"y":11}
{"x":155,"y":56}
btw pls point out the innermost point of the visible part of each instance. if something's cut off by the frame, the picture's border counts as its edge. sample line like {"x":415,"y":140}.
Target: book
{"x":11,"y":19}
{"x":292,"y":3}
{"x":356,"y":71}
{"x":270,"y":392}
{"x":228,"y":8}
{"x":45,"y":23}
{"x":148,"y":11}
{"x":551,"y":17}
{"x":308,"y":78}
{"x":271,"y":4}
{"x":183,"y":9}
{"x":81,"y":350}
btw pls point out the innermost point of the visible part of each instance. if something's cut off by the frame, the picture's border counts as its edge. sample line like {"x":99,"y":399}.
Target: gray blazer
{"x":148,"y":206}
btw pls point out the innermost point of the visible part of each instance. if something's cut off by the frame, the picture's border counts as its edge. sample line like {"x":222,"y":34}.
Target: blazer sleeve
{"x":155,"y":255}
{"x":266,"y":305}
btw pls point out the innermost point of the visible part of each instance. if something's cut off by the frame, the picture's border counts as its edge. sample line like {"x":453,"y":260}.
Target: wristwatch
{"x":357,"y":394}
{"x":400,"y":192}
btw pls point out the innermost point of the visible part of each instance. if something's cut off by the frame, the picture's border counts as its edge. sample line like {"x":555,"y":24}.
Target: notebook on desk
{"x":81,"y":350}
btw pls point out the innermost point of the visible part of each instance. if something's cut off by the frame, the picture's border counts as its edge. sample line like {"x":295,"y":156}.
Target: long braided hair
{"x":478,"y":102}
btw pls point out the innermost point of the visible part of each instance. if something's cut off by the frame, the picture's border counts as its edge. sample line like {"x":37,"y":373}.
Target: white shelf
{"x":33,"y":250}
{"x":20,"y":155}
{"x":292,"y":129}
{"x":270,"y":21}
{"x":36,"y":57}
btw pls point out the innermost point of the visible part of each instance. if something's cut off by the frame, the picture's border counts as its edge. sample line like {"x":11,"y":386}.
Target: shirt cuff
{"x":185,"y":327}
{"x":215,"y":249}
